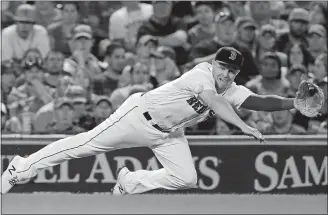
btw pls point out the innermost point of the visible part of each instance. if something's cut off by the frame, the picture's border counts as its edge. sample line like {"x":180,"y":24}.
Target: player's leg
{"x":105,"y":137}
{"x":178,"y":172}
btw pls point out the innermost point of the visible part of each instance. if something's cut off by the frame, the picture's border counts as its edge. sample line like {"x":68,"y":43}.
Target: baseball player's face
{"x":223,"y":75}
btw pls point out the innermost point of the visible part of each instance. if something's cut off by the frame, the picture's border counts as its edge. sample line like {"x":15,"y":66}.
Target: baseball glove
{"x":309,"y":99}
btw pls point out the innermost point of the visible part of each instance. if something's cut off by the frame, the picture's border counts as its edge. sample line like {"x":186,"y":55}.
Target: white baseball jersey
{"x":172,"y":106}
{"x":176,"y":105}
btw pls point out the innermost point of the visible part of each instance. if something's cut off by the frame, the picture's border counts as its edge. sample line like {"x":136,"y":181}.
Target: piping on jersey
{"x":81,"y":144}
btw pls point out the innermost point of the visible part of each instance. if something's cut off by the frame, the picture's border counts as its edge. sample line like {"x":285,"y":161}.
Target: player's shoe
{"x":118,"y":189}
{"x":9,"y":177}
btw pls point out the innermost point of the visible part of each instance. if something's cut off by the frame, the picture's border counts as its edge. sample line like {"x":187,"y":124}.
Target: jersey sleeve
{"x":237,"y":94}
{"x":200,"y":75}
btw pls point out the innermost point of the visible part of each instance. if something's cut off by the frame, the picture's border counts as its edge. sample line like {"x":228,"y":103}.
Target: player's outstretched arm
{"x":224,"y":110}
{"x":309,"y":100}
{"x":268,"y":103}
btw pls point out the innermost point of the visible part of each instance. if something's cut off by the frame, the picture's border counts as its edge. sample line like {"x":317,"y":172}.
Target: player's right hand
{"x":253,"y":132}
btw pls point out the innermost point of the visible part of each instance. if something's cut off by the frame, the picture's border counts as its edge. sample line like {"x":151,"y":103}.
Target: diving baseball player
{"x":156,"y":120}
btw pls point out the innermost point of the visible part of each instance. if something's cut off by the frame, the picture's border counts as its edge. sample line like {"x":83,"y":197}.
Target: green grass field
{"x":59,"y":203}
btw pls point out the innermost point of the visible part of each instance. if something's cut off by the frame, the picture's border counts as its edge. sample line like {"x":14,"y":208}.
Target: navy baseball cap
{"x":230,"y":57}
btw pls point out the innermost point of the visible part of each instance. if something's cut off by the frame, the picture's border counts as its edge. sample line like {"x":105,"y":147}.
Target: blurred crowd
{"x":67,"y":65}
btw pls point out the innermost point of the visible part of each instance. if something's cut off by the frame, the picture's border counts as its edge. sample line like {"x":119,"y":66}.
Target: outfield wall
{"x":225,"y":164}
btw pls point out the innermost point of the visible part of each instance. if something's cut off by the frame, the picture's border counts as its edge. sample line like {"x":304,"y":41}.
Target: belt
{"x":148,"y":117}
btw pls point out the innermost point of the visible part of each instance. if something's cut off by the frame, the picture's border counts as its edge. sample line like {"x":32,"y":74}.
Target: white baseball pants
{"x":125,"y":128}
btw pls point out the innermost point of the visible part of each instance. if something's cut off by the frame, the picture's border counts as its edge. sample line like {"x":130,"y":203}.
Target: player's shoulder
{"x":200,"y":73}
{"x":235,"y":89}
{"x":203,"y":67}
{"x":200,"y":70}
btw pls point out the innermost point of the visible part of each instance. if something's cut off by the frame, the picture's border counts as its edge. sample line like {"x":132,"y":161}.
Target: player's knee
{"x":189,"y":179}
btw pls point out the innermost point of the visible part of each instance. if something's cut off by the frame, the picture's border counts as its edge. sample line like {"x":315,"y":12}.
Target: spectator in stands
{"x":318,"y":13}
{"x":205,"y":29}
{"x":105,"y":83}
{"x":78,"y":96}
{"x":140,"y":82}
{"x":270,"y":81}
{"x":7,"y":81}
{"x":61,"y":32}
{"x":82,"y":64}
{"x":263,"y":12}
{"x":45,"y":115}
{"x":33,"y":92}
{"x":266,"y":42}
{"x":237,"y":8}
{"x":62,"y":123}
{"x":294,"y":76}
{"x":298,"y":27}
{"x":283,"y":124}
{"x":317,"y":38}
{"x":47,"y":13}
{"x":287,"y":9}
{"x":319,"y":68}
{"x":224,"y":35}
{"x":23,"y":35}
{"x":167,"y":52}
{"x":166,"y":30}
{"x":103,"y":10}
{"x":162,"y":68}
{"x":8,"y":9}
{"x":126,"y":21}
{"x":183,"y":11}
{"x":30,"y":55}
{"x":245,"y":32}
{"x":299,"y":54}
{"x":102,"y":110}
{"x":53,"y":69}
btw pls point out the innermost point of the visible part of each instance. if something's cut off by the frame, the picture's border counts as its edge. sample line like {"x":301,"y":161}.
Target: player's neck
{"x":219,"y":90}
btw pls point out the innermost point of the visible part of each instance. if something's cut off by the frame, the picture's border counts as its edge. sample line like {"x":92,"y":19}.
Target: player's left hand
{"x":253,"y":132}
{"x":309,"y":99}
